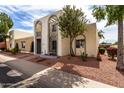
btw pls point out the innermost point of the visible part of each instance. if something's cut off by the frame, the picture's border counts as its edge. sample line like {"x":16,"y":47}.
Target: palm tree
{"x":5,"y":24}
{"x":113,"y":14}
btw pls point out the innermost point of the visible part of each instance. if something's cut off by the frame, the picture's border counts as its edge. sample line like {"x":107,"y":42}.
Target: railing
{"x":38,"y":34}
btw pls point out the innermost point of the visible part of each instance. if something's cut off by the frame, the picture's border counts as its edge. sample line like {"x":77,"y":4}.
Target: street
{"x":8,"y":76}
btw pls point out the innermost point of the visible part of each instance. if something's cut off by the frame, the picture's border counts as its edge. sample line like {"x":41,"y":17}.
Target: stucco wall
{"x":91,"y":42}
{"x":28,"y":42}
{"x":63,"y":46}
{"x":44,"y":32}
{"x":44,"y":36}
{"x":17,"y":36}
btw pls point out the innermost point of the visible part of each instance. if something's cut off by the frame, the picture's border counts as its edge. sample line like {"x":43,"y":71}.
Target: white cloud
{"x":27,"y":23}
{"x":30,"y":31}
{"x":38,"y":11}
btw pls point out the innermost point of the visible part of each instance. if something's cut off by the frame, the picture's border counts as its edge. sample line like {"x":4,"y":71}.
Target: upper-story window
{"x":54,"y":28}
{"x":38,"y":34}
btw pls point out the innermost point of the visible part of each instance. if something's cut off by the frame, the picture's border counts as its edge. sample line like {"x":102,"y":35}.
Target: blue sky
{"x":24,"y":16}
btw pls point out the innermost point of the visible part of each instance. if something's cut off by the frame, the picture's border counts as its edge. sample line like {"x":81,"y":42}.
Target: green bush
{"x":83,"y":56}
{"x":102,"y":50}
{"x":17,"y":47}
{"x":15,"y":50}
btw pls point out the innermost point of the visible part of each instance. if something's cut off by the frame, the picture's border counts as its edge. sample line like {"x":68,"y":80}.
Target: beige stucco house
{"x":48,"y":39}
{"x":22,"y":38}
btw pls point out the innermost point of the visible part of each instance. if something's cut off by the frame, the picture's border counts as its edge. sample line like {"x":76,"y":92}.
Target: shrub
{"x":83,"y":56}
{"x":15,"y":49}
{"x":112,"y":52}
{"x":102,"y":50}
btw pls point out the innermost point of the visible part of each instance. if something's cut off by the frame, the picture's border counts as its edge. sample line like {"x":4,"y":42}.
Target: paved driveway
{"x":8,"y":76}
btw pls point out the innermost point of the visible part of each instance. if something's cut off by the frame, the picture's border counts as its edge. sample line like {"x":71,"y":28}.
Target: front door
{"x":38,"y":46}
{"x":54,"y":47}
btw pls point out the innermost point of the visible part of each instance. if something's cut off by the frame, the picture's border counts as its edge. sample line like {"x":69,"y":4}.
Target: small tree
{"x":5,"y":24}
{"x":72,"y":23}
{"x":113,"y":14}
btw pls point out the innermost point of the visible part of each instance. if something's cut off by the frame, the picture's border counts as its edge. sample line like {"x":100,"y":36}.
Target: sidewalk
{"x":42,"y":76}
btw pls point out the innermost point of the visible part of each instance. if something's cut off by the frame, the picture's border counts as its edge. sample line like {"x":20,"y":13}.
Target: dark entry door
{"x":54,"y":47}
{"x":38,"y":46}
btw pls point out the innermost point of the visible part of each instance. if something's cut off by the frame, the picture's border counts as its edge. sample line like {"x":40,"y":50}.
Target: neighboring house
{"x":2,"y":45}
{"x":105,"y":45}
{"x":48,"y":39}
{"x":22,"y":38}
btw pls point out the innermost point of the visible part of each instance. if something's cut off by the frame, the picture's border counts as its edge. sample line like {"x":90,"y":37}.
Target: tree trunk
{"x":85,"y":44}
{"x":5,"y":45}
{"x":71,"y":48}
{"x":120,"y":63}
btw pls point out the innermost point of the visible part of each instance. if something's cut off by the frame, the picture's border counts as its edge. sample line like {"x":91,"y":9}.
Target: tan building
{"x":48,"y":39}
{"x":22,"y":38}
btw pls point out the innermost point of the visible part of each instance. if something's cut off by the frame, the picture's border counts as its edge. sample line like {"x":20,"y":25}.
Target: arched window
{"x":52,"y":34}
{"x":38,"y":28}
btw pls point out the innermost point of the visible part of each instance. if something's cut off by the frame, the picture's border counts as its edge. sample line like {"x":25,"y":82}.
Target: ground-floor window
{"x":80,"y":43}
{"x":23,"y":44}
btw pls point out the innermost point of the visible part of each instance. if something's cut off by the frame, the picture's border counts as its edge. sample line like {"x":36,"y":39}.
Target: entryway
{"x":38,"y":46}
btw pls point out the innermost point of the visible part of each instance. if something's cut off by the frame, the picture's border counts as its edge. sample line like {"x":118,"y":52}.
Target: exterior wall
{"x":11,"y":40}
{"x":44,"y":38}
{"x":21,"y":34}
{"x":28,"y":42}
{"x":44,"y":44}
{"x":92,"y":43}
{"x":78,"y":51}
{"x":63,"y":46}
{"x":17,"y":37}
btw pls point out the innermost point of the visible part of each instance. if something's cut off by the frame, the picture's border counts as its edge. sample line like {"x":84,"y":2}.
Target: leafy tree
{"x":113,"y":14}
{"x":72,"y":23}
{"x":100,"y":34}
{"x":5,"y":24}
{"x":3,"y":37}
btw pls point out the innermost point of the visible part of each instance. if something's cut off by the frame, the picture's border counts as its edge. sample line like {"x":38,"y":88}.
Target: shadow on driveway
{"x":8,"y":76}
